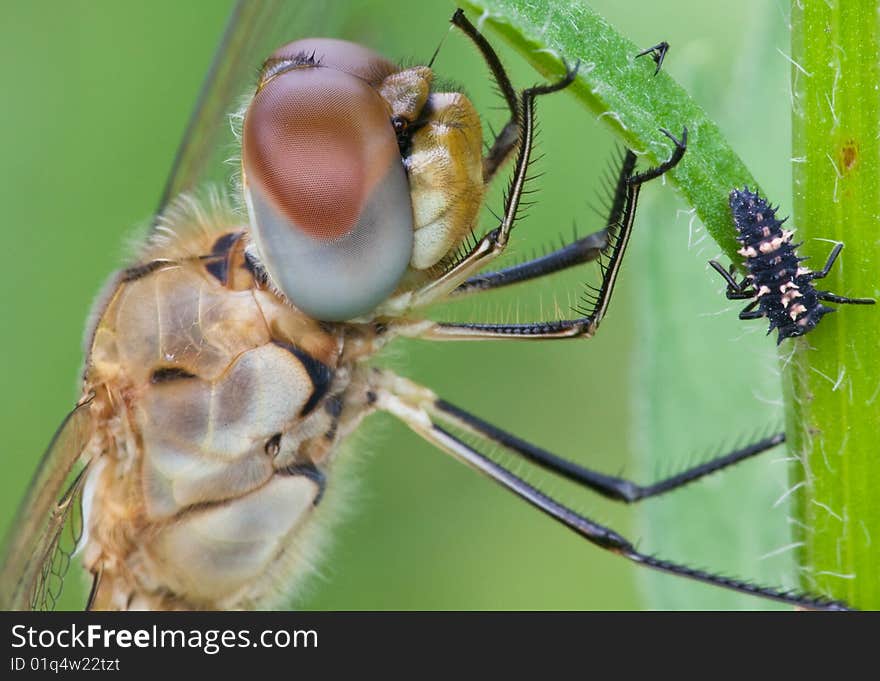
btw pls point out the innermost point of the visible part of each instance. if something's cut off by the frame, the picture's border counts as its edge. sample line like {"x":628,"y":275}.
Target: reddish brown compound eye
{"x":342,"y":55}
{"x":326,"y":189}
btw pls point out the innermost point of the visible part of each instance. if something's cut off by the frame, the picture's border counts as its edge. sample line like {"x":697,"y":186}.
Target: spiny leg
{"x":667,"y":165}
{"x":579,"y":251}
{"x":611,"y":268}
{"x":618,"y":489}
{"x":407,"y":401}
{"x":505,"y":141}
{"x":658,"y":54}
{"x":586,"y":325}
{"x":495,"y":242}
{"x":550,"y":330}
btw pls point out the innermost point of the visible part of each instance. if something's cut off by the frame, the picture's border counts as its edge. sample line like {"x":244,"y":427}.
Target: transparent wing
{"x":255,"y":29}
{"x":37,"y":551}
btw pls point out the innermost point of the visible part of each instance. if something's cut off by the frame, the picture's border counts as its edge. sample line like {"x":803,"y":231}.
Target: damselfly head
{"x":353,"y":173}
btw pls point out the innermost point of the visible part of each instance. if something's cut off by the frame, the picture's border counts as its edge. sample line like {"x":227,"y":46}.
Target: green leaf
{"x":621,"y":90}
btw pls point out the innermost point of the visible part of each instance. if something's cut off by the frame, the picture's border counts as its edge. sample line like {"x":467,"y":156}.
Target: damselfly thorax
{"x":217,"y":409}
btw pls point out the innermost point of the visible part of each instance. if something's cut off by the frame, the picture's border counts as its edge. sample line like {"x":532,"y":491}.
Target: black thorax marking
{"x":320,"y":374}
{"x":310,"y":471}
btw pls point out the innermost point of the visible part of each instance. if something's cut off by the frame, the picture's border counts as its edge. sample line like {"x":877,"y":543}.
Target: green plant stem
{"x":621,"y":90}
{"x":832,"y":380}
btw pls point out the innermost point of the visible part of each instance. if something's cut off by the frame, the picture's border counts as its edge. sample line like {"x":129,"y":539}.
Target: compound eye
{"x":327,"y":192}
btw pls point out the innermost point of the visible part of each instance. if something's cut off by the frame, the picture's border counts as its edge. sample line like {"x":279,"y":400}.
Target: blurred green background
{"x":96,"y":97}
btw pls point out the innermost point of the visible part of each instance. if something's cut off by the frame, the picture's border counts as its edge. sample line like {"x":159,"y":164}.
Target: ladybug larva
{"x":777,"y":285}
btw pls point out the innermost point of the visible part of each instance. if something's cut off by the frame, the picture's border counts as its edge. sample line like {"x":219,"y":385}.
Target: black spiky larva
{"x":776,"y":283}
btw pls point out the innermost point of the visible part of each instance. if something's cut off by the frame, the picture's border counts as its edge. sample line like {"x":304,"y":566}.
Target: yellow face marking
{"x":446,"y":177}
